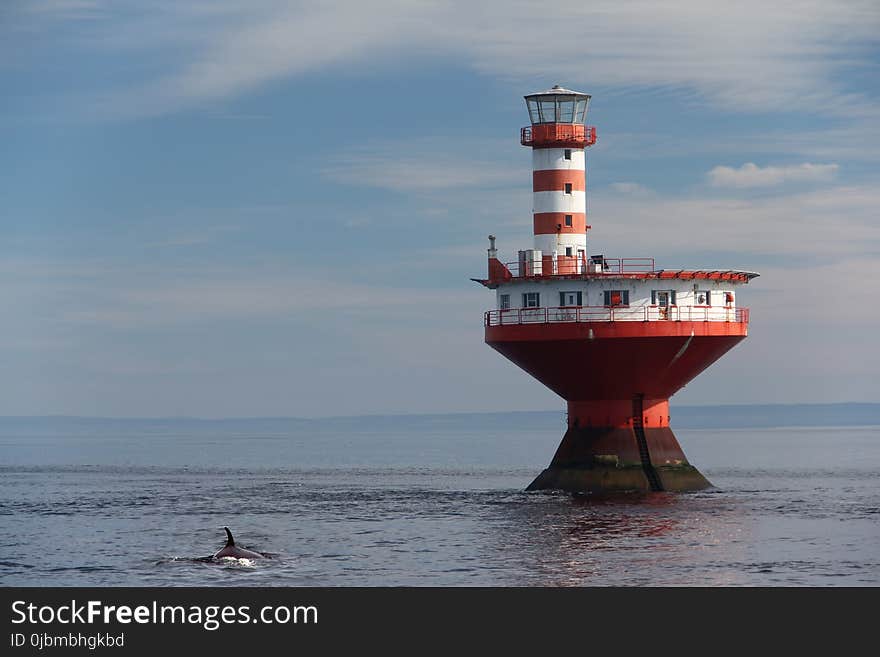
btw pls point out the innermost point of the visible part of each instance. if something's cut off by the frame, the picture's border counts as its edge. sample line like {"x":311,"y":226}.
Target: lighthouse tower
{"x":558,"y":138}
{"x":614,"y":337}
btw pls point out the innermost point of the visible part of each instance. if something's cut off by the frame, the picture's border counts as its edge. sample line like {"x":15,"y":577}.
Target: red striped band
{"x":549,"y":223}
{"x":554,"y":180}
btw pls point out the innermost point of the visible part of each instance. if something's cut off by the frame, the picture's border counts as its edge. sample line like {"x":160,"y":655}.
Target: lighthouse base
{"x":610,"y":459}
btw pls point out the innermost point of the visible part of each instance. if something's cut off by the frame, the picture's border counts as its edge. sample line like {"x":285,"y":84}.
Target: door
{"x":663,"y":304}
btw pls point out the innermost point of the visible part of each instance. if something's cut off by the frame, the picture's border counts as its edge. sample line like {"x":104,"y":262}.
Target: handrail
{"x":644,"y":313}
{"x":572,"y":265}
{"x":577,"y":135}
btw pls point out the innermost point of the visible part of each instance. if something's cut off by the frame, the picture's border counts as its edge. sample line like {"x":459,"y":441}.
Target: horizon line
{"x":196,"y":418}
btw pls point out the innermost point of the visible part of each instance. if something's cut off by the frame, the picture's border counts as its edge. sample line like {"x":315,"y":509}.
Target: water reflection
{"x":644,"y":539}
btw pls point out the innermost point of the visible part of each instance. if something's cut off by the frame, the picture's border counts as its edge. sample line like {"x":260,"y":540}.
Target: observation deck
{"x":546,"y":267}
{"x":558,"y":135}
{"x":602,"y":314}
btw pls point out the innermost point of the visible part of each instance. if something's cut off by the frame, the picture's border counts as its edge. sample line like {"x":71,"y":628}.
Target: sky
{"x":226,"y":208}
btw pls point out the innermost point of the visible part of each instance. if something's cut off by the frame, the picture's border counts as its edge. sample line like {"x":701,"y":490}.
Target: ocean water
{"x":422,"y":503}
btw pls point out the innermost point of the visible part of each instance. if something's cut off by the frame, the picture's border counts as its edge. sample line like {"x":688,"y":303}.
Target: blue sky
{"x":271,"y":208}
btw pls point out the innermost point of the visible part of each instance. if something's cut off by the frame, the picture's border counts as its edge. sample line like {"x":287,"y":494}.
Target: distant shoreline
{"x":731,"y":416}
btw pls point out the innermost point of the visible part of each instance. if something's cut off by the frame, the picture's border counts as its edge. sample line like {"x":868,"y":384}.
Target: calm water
{"x":443,"y":506}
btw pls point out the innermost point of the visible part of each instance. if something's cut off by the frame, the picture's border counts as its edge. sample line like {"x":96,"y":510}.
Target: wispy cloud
{"x":791,"y":57}
{"x":751,"y":175}
{"x":63,"y":9}
{"x":838,"y":221}
{"x":846,"y":140}
{"x":432,"y":164}
{"x":114,"y":296}
{"x":630,"y":188}
{"x":835,"y":283}
{"x":102,"y":336}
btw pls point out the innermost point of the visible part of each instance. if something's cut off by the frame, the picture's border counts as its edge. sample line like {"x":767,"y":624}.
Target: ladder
{"x":642,"y":441}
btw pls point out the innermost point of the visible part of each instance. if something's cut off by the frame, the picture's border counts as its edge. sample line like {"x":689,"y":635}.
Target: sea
{"x":433,"y":500}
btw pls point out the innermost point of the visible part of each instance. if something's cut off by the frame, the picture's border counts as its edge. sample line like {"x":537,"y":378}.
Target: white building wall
{"x":559,"y":202}
{"x":544,"y":159}
{"x":593,"y":291}
{"x":548,"y":244}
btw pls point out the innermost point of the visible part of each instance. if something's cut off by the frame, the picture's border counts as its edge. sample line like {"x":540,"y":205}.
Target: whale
{"x":232,"y":551}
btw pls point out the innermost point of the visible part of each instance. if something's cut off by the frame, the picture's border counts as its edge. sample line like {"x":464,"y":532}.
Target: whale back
{"x":235,"y":552}
{"x":232,"y":551}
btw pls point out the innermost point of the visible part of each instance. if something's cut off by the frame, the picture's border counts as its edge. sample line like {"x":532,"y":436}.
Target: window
{"x":548,"y":110}
{"x":570,"y":299}
{"x":616,"y":297}
{"x":568,"y":220}
{"x":569,"y":251}
{"x":531,"y":300}
{"x":663,"y":297}
{"x":581,"y":111}
{"x":533,"y":110}
{"x":702,"y":298}
{"x":568,"y":188}
{"x":557,"y":109}
{"x":504,"y":301}
{"x":567,"y":154}
{"x":566,"y":110}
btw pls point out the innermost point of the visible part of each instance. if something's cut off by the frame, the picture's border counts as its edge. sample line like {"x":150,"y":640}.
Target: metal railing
{"x":562,"y":314}
{"x":569,"y":265}
{"x":577,"y":135}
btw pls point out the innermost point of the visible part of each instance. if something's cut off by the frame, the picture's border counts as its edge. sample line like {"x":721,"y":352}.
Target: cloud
{"x":432,"y":164}
{"x":838,"y":221}
{"x":792,"y":57}
{"x":849,"y":141}
{"x":63,"y":9}
{"x":833,"y":287}
{"x":206,"y":235}
{"x":102,"y":337}
{"x":121,"y":297}
{"x":630,"y":188}
{"x":751,"y":175}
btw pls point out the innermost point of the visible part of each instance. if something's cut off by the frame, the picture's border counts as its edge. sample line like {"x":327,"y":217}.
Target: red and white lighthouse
{"x":558,"y":138}
{"x":614,"y":337}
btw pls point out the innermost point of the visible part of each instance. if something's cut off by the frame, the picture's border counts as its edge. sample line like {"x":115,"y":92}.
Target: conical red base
{"x":617,"y":378}
{"x":606,"y":459}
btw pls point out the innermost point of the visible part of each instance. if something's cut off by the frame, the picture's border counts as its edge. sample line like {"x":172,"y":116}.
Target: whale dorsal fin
{"x":230,"y":542}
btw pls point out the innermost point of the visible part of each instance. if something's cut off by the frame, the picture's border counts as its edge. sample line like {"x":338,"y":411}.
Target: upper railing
{"x":575,"y":135}
{"x":616,"y":314}
{"x":571,"y":265}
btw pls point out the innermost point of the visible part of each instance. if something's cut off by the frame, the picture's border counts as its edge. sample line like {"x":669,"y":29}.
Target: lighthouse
{"x":615,"y":337}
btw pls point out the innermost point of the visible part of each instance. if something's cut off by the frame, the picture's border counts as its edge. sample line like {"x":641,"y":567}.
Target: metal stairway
{"x":642,"y":440}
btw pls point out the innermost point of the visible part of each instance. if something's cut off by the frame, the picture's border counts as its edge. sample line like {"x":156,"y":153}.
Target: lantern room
{"x":557,"y":105}
{"x":557,"y":117}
